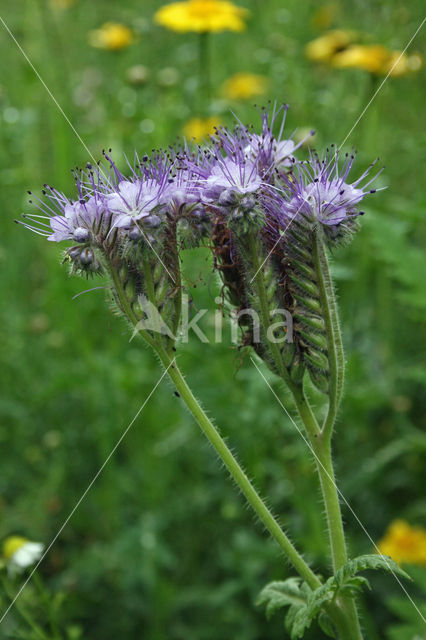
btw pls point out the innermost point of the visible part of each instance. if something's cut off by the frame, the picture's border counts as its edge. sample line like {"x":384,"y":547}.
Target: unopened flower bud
{"x":227,"y":198}
{"x":135,"y":233}
{"x":87,"y":256}
{"x":74,"y":253}
{"x":152,"y":221}
{"x":81,"y":235}
{"x":248,"y":202}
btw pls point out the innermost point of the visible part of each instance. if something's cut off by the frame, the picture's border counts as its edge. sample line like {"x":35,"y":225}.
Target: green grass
{"x":162,"y":546}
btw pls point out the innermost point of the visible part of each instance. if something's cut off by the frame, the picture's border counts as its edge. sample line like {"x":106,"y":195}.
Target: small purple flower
{"x":63,"y":219}
{"x":238,"y":176}
{"x":134,"y":201}
{"x":318,"y":190}
{"x":272,"y":152}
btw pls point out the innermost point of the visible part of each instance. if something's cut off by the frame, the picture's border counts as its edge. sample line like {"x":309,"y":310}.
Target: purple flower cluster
{"x":238,"y":174}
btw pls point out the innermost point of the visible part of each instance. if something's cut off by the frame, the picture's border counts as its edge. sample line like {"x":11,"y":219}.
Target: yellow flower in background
{"x":202,"y":16}
{"x":243,"y":86}
{"x":376,"y":58}
{"x":404,"y":64}
{"x":404,"y":543}
{"x":323,"y":49}
{"x":371,"y":58}
{"x":62,"y":4}
{"x":324,"y":16}
{"x":20,"y":553}
{"x":199,"y":128}
{"x":112,"y":36}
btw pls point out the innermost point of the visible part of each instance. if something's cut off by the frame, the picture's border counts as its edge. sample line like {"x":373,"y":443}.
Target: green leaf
{"x":354,"y":585}
{"x":369,"y":561}
{"x":326,"y":625}
{"x":317,"y":599}
{"x":305,"y":605}
{"x":280,"y":594}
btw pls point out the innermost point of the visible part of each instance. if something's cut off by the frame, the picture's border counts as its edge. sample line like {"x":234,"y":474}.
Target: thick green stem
{"x":237,"y":473}
{"x":221,"y":448}
{"x":23,"y":612}
{"x":334,"y":336}
{"x":124,"y":303}
{"x":344,"y":613}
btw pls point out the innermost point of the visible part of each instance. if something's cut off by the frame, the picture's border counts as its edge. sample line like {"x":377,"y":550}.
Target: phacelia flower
{"x":404,"y":543}
{"x":202,"y":16}
{"x":273,"y":153}
{"x":20,"y":553}
{"x":318,"y":191}
{"x":112,"y":36}
{"x":244,"y":86}
{"x":230,"y":177}
{"x":64,"y":219}
{"x":134,"y":201}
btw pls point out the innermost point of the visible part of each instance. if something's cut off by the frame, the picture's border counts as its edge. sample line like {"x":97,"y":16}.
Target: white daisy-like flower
{"x":20,"y":553}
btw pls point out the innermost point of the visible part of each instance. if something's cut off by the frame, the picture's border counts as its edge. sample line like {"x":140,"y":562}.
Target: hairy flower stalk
{"x":269,"y":219}
{"x":132,"y":236}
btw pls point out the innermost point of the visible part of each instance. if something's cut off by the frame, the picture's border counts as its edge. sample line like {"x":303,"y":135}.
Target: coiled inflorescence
{"x":265,"y":213}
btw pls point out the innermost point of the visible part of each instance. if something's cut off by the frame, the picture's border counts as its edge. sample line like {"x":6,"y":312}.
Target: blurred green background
{"x":163,"y":546}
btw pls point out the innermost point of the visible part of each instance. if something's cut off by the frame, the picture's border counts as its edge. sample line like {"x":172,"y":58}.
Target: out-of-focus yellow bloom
{"x":323,"y":49}
{"x":112,"y":36}
{"x":405,"y":64}
{"x":377,"y":59}
{"x":404,"y":543}
{"x":199,"y":128}
{"x":323,"y":17}
{"x":243,"y":86}
{"x":202,"y":16}
{"x":371,"y":58}
{"x":62,"y":4}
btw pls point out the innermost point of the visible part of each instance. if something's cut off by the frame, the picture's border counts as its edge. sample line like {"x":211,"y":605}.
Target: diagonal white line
{"x":90,"y":485}
{"x":47,"y":89}
{"x":379,"y":88}
{"x":340,"y":493}
{"x":277,"y":242}
{"x":145,"y":237}
{"x":69,"y":121}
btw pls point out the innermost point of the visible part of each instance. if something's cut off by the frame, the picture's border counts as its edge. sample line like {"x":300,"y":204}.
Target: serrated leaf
{"x":280,"y":594}
{"x":369,"y":561}
{"x":291,"y":615}
{"x":316,"y":601}
{"x":354,"y":585}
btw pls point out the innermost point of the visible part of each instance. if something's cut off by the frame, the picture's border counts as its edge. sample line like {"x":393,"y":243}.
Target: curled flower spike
{"x":267,"y":215}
